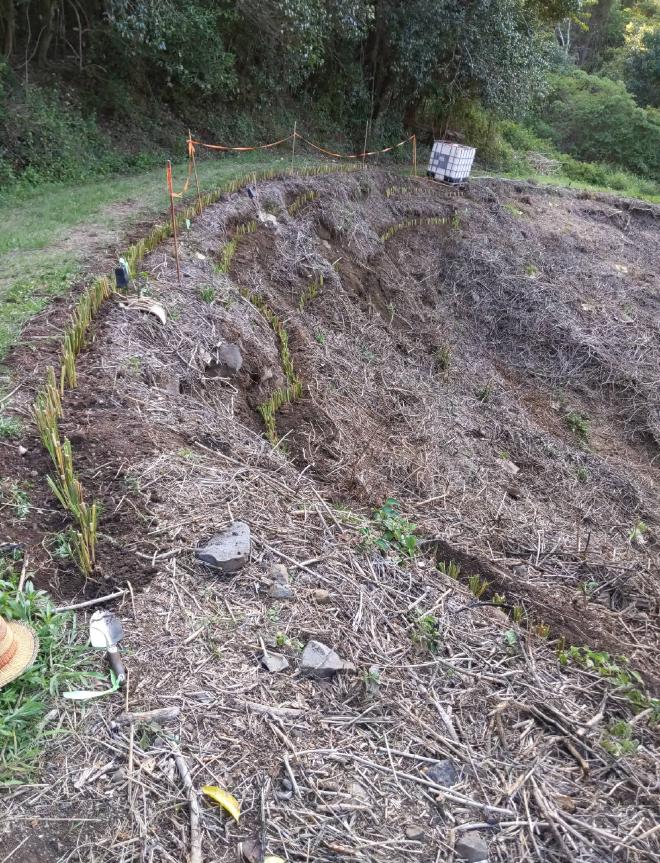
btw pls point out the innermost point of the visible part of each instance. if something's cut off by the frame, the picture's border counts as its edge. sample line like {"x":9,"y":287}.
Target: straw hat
{"x":18,"y":649}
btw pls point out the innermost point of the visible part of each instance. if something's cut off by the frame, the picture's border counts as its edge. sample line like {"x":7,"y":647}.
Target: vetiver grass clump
{"x":293,"y":389}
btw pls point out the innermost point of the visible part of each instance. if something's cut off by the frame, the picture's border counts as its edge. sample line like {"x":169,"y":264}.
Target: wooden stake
{"x":364,"y":149}
{"x":176,"y":244}
{"x":293,"y":143}
{"x":191,"y":155}
{"x":414,"y":155}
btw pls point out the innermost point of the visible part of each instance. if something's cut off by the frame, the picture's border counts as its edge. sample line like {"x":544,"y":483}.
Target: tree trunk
{"x":9,"y":16}
{"x":48,"y":23}
{"x":596,"y":35}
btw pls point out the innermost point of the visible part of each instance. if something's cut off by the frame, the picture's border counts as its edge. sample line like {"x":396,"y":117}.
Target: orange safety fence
{"x":355,"y":155}
{"x":192,"y":143}
{"x":240,"y":149}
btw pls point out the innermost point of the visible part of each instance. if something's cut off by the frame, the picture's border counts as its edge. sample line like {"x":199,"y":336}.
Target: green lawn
{"x":51,"y":236}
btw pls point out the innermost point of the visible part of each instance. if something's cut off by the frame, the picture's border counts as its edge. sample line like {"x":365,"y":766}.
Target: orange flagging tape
{"x":239,"y":149}
{"x":355,"y":155}
{"x":192,"y":143}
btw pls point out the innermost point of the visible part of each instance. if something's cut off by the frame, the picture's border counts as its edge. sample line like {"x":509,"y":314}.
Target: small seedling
{"x":618,"y":740}
{"x":10,"y":427}
{"x":395,"y":532}
{"x":273,"y":614}
{"x":442,"y":357}
{"x":511,"y":208}
{"x":504,"y":455}
{"x":371,"y":681}
{"x":452,"y":569}
{"x":582,"y":475}
{"x":484,"y":393}
{"x":319,"y":337}
{"x":455,"y":222}
{"x":542,"y":630}
{"x":638,"y":532}
{"x":531,"y":271}
{"x":207,"y":294}
{"x":518,"y":613}
{"x":61,"y":545}
{"x":427,"y":632}
{"x":17,"y":499}
{"x":579,"y":425}
{"x":478,"y":586}
{"x":511,"y":637}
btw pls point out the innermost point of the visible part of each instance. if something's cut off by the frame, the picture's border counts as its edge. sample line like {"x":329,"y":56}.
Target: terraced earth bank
{"x":493,"y":368}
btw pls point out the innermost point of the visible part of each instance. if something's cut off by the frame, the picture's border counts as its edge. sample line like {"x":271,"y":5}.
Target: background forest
{"x":92,"y":87}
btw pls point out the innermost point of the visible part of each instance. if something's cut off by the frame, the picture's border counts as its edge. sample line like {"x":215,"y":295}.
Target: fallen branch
{"x":193,"y":803}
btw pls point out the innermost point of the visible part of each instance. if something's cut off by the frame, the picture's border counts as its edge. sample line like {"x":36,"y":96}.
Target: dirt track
{"x":446,"y":368}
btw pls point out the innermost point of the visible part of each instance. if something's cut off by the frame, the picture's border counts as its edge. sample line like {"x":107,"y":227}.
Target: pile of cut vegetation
{"x":439,"y":418}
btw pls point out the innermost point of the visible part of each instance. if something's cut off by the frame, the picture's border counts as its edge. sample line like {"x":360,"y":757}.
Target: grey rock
{"x":320,"y":661}
{"x":443,"y":773}
{"x":226,"y":361}
{"x":281,"y":591}
{"x":274,"y":662}
{"x":322,"y":596}
{"x":229,"y":550}
{"x":415,"y":834}
{"x":509,"y":466}
{"x":472,"y":847}
{"x":279,"y":573}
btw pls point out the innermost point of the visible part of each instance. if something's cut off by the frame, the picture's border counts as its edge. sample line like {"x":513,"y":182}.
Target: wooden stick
{"x":191,"y":155}
{"x":193,"y":803}
{"x":414,"y":149}
{"x":159,"y":714}
{"x":364,"y":149}
{"x":176,"y":244}
{"x":90,"y":602}
{"x":293,"y":142}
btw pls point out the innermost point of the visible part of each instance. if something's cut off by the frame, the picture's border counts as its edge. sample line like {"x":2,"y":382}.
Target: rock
{"x":279,"y":573}
{"x":509,"y":466}
{"x":226,"y":361}
{"x":229,"y":550}
{"x":281,"y":591}
{"x":472,"y":847}
{"x":22,"y":450}
{"x":274,"y":662}
{"x":284,"y":789}
{"x":358,"y":792}
{"x":321,"y":596}
{"x":443,"y":773}
{"x":320,"y":661}
{"x":414,"y":833}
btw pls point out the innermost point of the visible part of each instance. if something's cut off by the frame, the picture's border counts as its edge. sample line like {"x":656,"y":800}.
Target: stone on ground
{"x":229,"y":550}
{"x":320,"y":661}
{"x":472,"y":847}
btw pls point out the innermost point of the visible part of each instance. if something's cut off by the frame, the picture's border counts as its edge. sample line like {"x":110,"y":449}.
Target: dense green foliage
{"x":98,"y":86}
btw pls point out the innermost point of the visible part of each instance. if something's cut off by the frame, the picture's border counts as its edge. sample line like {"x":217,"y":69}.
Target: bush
{"x":597,"y":120}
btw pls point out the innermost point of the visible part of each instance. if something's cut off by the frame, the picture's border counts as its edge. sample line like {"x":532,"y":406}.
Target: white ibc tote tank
{"x":451,"y":162}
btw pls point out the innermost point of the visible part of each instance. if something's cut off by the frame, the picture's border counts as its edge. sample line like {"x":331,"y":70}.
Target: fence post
{"x":366,"y":138}
{"x":170,"y":189}
{"x":191,"y":155}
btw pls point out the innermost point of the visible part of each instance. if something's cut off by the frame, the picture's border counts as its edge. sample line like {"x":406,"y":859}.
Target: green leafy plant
{"x":16,"y":498}
{"x":207,"y":294}
{"x":393,"y":531}
{"x":10,"y":427}
{"x":442,"y":357}
{"x":638,"y":532}
{"x":484,"y":393}
{"x":616,"y":669}
{"x":319,"y":337}
{"x":426,"y":632}
{"x":61,"y":662}
{"x":579,"y":425}
{"x":618,"y":740}
{"x":582,"y":475}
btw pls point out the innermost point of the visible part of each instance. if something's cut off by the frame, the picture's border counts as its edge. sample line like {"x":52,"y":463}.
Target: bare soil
{"x":450,"y":368}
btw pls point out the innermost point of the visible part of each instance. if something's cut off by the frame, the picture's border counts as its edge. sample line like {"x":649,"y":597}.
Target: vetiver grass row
{"x":47,"y":409}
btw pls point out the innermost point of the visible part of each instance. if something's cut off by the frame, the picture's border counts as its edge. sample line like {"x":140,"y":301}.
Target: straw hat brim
{"x":26,"y":652}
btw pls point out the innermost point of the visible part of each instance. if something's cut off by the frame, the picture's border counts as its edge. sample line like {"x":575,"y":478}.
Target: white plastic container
{"x":451,"y":162}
